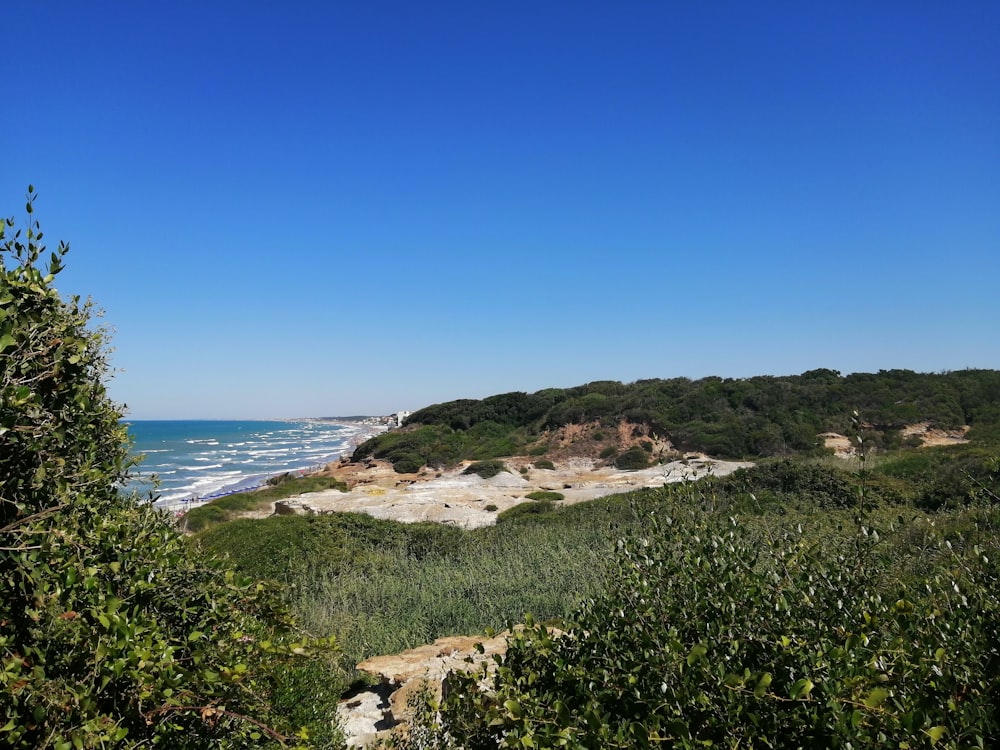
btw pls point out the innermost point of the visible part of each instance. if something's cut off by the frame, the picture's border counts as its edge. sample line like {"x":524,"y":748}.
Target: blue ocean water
{"x":197,"y":459}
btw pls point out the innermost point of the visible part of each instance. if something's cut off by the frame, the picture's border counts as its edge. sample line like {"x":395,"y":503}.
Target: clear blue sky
{"x":318,"y":208}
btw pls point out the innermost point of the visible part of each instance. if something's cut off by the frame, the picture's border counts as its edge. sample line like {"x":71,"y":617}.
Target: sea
{"x":189,"y":461}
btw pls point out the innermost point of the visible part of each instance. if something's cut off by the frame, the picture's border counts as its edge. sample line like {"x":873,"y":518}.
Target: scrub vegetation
{"x":805,"y":602}
{"x":723,"y":417}
{"x":114,"y":632}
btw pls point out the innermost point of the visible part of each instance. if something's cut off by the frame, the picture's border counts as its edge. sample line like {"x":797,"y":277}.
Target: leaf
{"x":513,"y":707}
{"x":5,"y":341}
{"x":696,"y":655}
{"x":801,"y":689}
{"x":762,"y":685}
{"x":876,"y":697}
{"x":936,"y":733}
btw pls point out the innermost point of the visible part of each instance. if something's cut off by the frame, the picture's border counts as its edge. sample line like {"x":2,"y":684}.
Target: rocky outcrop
{"x":466,"y":500}
{"x":293,"y":507}
{"x":372,"y":713}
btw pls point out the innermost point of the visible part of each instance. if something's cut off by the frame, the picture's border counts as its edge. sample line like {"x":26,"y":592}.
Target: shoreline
{"x":361,"y":431}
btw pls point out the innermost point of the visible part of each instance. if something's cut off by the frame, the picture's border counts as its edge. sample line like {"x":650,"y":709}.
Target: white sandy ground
{"x":452,"y":497}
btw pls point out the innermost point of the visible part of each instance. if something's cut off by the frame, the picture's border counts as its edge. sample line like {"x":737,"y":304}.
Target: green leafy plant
{"x":485,"y":469}
{"x":112,"y":632}
{"x":545,"y":495}
{"x":633,"y":459}
{"x":710,"y":637}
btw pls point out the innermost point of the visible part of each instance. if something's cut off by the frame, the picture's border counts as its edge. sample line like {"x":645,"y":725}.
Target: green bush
{"x":545,"y":495}
{"x":523,"y":510}
{"x":823,"y":485}
{"x":712,"y":635}
{"x":112,"y":632}
{"x":407,"y":463}
{"x":632,"y":459}
{"x":485,"y":469}
{"x":545,"y":464}
{"x":609,"y":451}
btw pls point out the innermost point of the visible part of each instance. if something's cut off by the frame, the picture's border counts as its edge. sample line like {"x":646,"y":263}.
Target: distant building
{"x":401,"y":417}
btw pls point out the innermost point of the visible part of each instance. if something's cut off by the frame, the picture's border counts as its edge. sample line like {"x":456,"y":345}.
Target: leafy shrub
{"x":712,"y":636}
{"x":407,"y":463}
{"x":632,"y":459}
{"x":545,"y":464}
{"x":827,"y":487}
{"x":609,"y":451}
{"x":112,"y":632}
{"x":485,"y":469}
{"x":545,"y":495}
{"x":527,"y":510}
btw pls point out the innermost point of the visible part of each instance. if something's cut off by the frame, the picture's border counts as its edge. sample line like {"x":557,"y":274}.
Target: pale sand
{"x":451,"y":497}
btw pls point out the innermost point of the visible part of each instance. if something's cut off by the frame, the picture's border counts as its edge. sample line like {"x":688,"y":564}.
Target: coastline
{"x":226,"y":452}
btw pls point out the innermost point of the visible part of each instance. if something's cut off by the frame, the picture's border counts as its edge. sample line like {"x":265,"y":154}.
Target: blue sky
{"x":321,"y":208}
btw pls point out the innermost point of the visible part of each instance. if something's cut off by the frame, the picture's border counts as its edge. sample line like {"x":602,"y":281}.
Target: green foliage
{"x":408,"y":587}
{"x":545,"y":464}
{"x":716,"y":633}
{"x":524,"y":510}
{"x":485,"y":469}
{"x":283,"y":547}
{"x":112,"y":634}
{"x":433,"y":445}
{"x":632,"y":459}
{"x":948,"y":477}
{"x":226,"y":508}
{"x":545,"y":495}
{"x":823,"y":485}
{"x":609,"y":451}
{"x":725,"y":417}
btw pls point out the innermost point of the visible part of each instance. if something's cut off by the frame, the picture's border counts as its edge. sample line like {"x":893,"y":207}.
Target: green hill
{"x":725,"y":417}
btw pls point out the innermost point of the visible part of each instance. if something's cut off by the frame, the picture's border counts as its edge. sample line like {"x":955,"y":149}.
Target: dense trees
{"x":725,"y":417}
{"x":113,"y":632}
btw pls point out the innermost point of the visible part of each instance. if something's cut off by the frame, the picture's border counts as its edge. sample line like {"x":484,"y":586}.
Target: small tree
{"x":112,"y":633}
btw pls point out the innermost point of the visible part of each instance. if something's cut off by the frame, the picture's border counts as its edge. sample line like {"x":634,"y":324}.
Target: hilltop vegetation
{"x":723,"y":417}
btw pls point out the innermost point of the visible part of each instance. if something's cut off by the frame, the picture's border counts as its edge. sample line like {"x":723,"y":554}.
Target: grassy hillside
{"x":381,"y":586}
{"x":853,"y":564}
{"x":724,"y":417}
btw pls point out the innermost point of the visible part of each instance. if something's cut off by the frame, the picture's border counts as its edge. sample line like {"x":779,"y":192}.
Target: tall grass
{"x":489,"y":579}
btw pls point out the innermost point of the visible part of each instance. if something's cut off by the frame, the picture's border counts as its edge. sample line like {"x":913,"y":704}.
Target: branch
{"x":209,"y":711}
{"x":33,"y":517}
